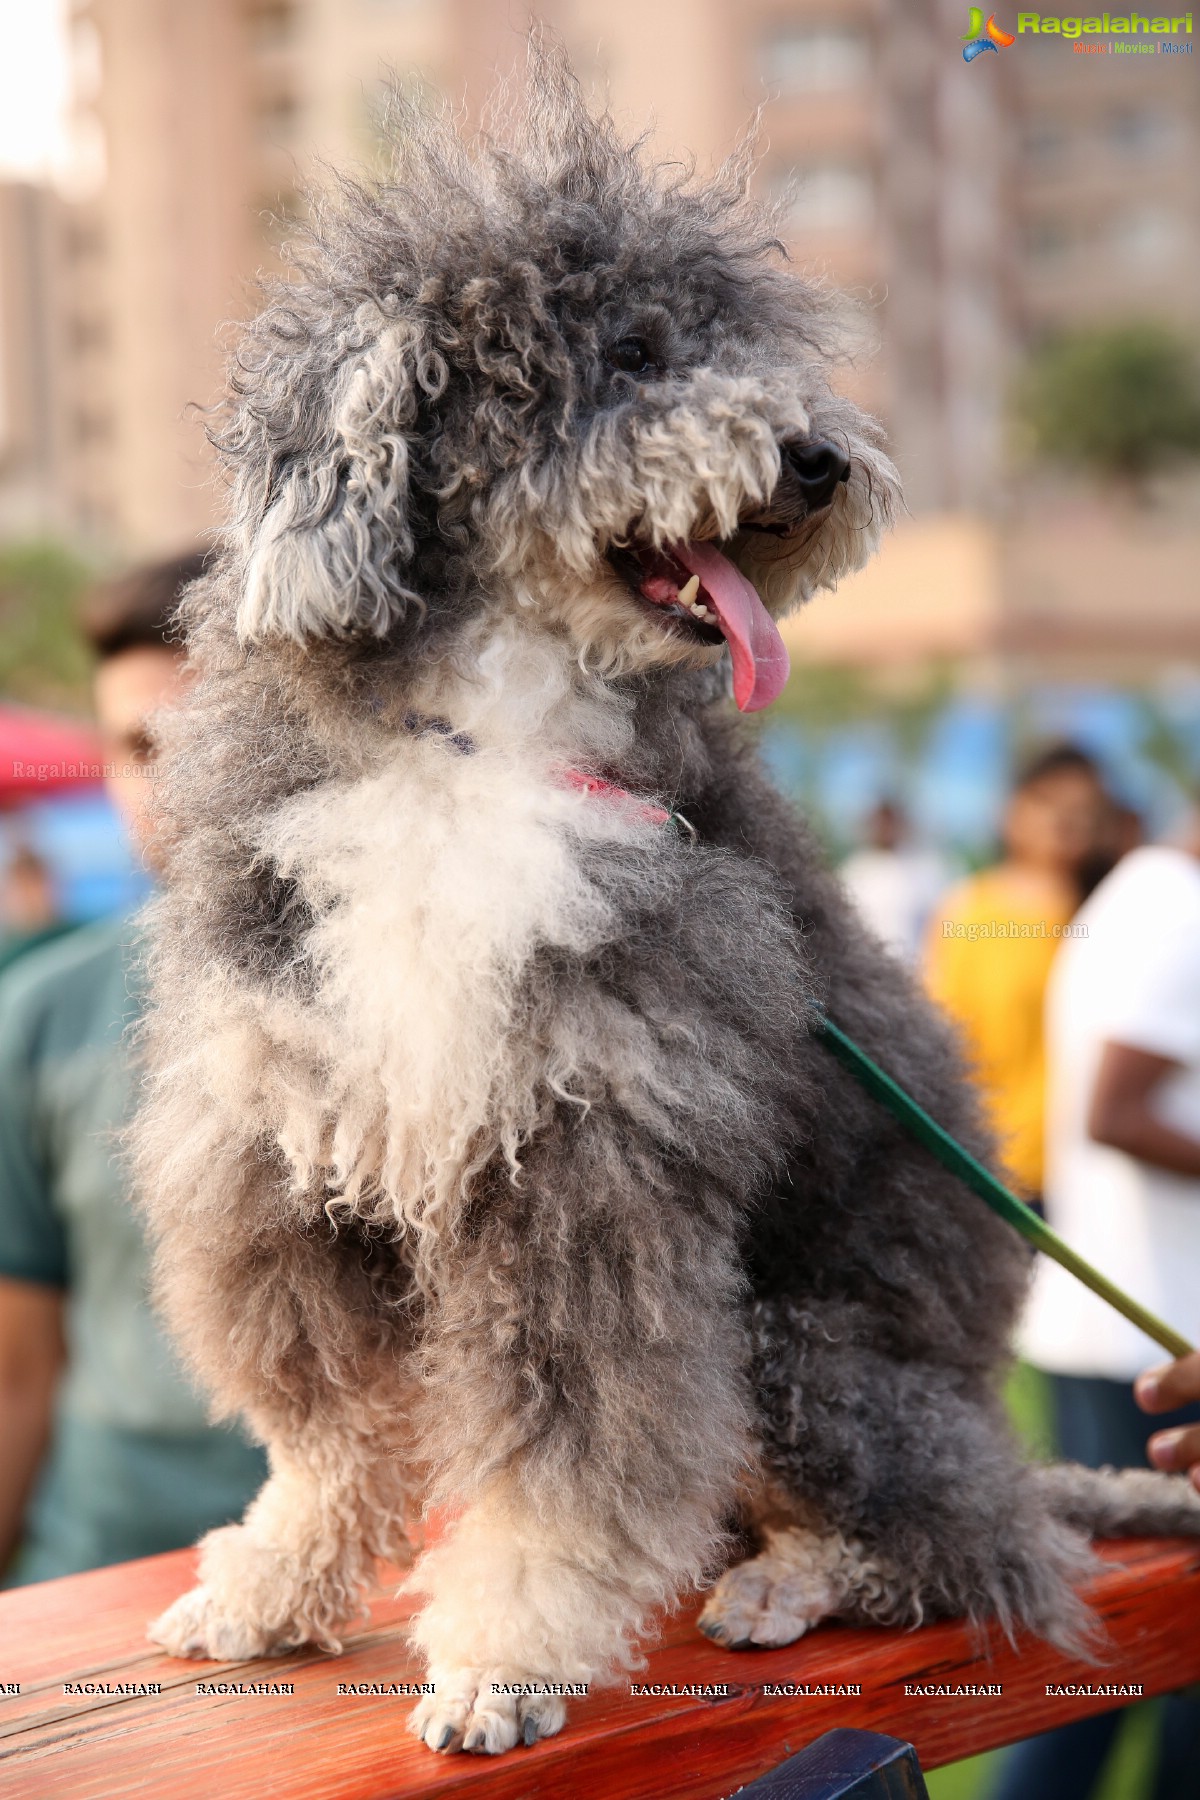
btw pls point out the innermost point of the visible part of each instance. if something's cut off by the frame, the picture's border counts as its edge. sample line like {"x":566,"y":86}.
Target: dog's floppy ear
{"x":330,"y":553}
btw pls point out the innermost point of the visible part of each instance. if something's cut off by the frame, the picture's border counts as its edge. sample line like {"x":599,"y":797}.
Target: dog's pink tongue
{"x":760,"y":658}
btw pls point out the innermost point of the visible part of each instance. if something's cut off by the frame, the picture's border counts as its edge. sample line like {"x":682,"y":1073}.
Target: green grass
{"x":970,"y":1780}
{"x":1126,"y":1777}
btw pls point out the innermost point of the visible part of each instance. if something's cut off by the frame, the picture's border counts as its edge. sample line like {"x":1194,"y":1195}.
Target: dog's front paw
{"x":485,"y":1710}
{"x":195,"y":1626}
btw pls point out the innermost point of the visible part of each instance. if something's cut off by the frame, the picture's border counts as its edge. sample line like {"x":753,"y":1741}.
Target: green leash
{"x":948,"y":1151}
{"x":960,"y":1162}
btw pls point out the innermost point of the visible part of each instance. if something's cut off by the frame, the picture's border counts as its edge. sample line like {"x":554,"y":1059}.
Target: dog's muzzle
{"x":811,"y":472}
{"x":695,"y":587}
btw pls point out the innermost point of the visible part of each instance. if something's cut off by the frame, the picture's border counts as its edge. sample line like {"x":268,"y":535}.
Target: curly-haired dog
{"x":488,"y":1157}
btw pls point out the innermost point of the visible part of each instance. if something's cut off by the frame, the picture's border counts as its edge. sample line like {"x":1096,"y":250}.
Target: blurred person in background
{"x":29,"y":913}
{"x":1123,"y":1187}
{"x":105,"y":1450}
{"x":893,"y":883}
{"x":993,"y":937}
{"x":1123,"y":830}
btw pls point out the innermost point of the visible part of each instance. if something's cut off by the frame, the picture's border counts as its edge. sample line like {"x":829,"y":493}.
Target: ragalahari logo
{"x":984,"y":37}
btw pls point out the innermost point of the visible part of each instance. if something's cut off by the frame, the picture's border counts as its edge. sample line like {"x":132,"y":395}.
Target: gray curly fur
{"x":616,"y":1250}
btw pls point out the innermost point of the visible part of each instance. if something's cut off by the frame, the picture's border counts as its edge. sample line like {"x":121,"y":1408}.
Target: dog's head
{"x":552,"y":379}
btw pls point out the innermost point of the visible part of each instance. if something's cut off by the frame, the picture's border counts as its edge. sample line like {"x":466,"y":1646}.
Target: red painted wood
{"x":321,"y":1746}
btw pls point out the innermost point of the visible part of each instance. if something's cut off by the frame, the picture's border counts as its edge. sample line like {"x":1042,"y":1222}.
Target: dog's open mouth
{"x":700,"y":591}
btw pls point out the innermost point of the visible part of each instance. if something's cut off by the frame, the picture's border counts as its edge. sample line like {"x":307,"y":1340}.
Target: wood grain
{"x":323,"y":1746}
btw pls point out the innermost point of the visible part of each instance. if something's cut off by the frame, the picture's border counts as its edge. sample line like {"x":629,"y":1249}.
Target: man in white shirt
{"x":1123,"y":1116}
{"x":1123,"y":1188}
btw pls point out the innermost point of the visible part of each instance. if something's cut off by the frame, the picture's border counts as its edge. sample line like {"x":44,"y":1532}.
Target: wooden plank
{"x":330,"y":1746}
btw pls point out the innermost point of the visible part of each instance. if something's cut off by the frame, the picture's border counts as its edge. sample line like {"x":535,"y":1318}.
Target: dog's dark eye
{"x":632,"y":355}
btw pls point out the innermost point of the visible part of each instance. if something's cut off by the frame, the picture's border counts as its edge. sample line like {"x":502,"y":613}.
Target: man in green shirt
{"x":106,"y":1450}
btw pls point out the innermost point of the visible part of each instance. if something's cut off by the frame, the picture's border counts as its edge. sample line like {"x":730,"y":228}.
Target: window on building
{"x":1047,"y":239}
{"x":272,"y":25}
{"x":277,"y":116}
{"x":1145,"y":237}
{"x":91,"y":427}
{"x":825,"y":196}
{"x":1137,"y":131}
{"x":87,"y":331}
{"x":84,"y":238}
{"x":816,"y":58}
{"x":1044,"y":142}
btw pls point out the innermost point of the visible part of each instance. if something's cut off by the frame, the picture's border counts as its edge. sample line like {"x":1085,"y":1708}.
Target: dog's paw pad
{"x":193,"y":1626}
{"x":469,"y":1710}
{"x":763,"y":1603}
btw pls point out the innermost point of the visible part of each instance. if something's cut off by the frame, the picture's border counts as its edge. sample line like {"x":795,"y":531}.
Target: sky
{"x":33,"y":87}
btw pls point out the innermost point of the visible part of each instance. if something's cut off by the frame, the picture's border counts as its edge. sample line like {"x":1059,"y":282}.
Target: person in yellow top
{"x":993,"y":937}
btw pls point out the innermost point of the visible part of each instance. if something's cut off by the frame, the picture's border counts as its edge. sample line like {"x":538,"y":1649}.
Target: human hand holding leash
{"x":1162,"y":1390}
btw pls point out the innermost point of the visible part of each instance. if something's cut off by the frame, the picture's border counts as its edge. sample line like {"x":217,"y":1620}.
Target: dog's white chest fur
{"x":434,"y":880}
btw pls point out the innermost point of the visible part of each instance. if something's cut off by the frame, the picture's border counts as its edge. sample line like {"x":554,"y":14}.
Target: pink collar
{"x":608,"y":790}
{"x":423,"y":725}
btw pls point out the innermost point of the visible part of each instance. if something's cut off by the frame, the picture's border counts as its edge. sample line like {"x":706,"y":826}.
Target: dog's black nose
{"x":818,"y":466}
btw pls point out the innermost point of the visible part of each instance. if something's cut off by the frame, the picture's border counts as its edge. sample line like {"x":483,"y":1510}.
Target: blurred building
{"x":32,"y":333}
{"x":969,"y":212}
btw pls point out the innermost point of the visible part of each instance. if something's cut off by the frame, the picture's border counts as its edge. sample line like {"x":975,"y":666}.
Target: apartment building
{"x":967,"y":212}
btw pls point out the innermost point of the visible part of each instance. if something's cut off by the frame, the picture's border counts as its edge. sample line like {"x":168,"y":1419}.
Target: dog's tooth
{"x":697,"y":610}
{"x":689,"y":590}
